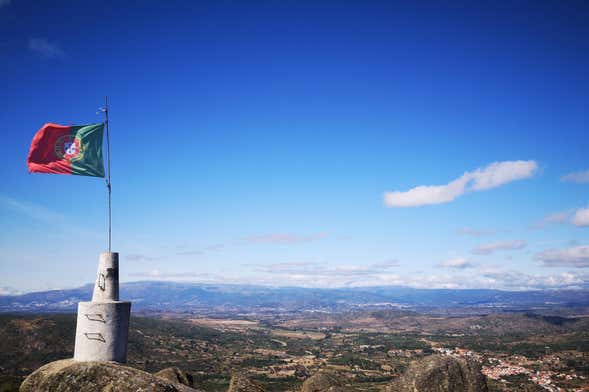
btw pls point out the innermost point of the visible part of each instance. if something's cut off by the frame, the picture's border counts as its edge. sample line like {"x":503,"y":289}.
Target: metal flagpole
{"x":108,"y":172}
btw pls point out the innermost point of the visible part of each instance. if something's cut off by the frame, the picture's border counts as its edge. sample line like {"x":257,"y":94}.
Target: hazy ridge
{"x":182,"y":297}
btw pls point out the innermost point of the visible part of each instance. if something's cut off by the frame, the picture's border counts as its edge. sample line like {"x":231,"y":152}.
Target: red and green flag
{"x":60,"y":149}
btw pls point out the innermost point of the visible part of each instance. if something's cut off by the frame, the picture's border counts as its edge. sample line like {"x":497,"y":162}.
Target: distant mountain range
{"x":153,"y":296}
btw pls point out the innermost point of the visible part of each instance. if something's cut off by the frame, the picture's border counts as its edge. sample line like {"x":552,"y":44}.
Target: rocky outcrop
{"x":324,"y":381}
{"x":72,"y":376}
{"x":240,"y":383}
{"x":441,"y":374}
{"x":177,"y":376}
{"x":431,"y":374}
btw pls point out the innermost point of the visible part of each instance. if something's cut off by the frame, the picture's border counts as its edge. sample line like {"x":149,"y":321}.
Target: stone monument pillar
{"x":102,"y":327}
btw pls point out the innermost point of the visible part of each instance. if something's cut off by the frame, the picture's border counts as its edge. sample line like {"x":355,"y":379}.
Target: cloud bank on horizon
{"x":491,"y":176}
{"x":576,"y":256}
{"x":460,"y":274}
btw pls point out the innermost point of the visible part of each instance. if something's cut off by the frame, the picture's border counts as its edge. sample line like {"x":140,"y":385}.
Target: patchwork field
{"x":516,"y":351}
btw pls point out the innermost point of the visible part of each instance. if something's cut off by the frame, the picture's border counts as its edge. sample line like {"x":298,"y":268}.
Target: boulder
{"x":441,"y":374}
{"x":240,"y":383}
{"x":324,"y":381}
{"x":177,"y":376}
{"x":73,"y":376}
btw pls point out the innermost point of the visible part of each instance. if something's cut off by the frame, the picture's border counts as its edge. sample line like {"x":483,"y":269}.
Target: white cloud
{"x":551,"y":219}
{"x":474,"y":232}
{"x":44,"y":48}
{"x":457,"y":263}
{"x":8,"y":290}
{"x":140,"y":257}
{"x":309,"y":274}
{"x":500,"y":173}
{"x":491,"y":176}
{"x":475,"y":279}
{"x":193,"y":252}
{"x":31,"y":210}
{"x":426,"y":194}
{"x":515,"y":280}
{"x":314,"y":274}
{"x":581,"y":177}
{"x":576,"y":256}
{"x":557,"y":217}
{"x":42,"y":214}
{"x":214,"y":247}
{"x":581,"y":217}
{"x":326,"y":271}
{"x":391,"y":263}
{"x":178,"y":276}
{"x":284,"y":238}
{"x":487,"y":249}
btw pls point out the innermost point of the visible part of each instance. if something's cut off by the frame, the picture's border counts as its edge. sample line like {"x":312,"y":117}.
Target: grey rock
{"x":72,"y":376}
{"x":441,"y":374}
{"x":324,"y":381}
{"x":176,"y":375}
{"x":240,"y":383}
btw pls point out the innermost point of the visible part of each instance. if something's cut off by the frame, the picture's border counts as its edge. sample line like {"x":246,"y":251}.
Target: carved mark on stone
{"x":95,"y":317}
{"x":95,"y":336}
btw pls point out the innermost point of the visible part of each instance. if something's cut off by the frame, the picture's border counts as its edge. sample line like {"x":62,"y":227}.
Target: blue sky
{"x":317,"y":144}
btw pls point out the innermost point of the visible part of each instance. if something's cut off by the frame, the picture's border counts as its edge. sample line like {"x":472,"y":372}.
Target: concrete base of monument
{"x":102,"y":330}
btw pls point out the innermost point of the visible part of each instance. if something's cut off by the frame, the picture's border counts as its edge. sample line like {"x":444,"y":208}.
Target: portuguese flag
{"x":60,"y":149}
